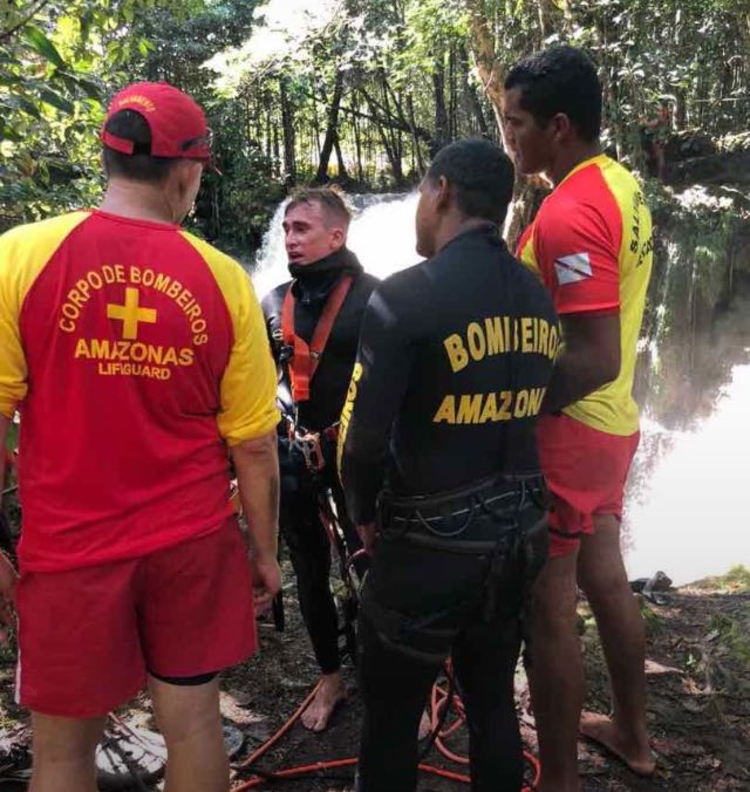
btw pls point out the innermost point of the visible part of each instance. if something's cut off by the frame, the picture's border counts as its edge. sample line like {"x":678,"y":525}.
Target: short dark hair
{"x":480,"y":175}
{"x":140,"y":165}
{"x":561,"y":79}
{"x":331,"y":200}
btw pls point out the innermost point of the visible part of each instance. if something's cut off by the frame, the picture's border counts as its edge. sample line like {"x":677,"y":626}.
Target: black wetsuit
{"x":454,"y":358}
{"x":300,"y":524}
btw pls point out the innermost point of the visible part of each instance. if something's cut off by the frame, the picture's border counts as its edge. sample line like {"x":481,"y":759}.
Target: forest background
{"x":357,"y":91}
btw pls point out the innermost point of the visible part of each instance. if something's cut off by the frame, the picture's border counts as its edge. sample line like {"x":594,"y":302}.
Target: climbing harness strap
{"x":311,"y":444}
{"x":302,"y":358}
{"x":500,"y":521}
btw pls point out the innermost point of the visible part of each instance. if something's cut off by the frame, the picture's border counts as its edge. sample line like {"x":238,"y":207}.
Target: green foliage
{"x":732,"y":632}
{"x":736,"y":581}
{"x":52,"y":85}
{"x":382,"y":83}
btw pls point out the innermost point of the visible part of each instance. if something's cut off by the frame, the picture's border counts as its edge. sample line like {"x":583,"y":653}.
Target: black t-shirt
{"x":312,"y":286}
{"x":454,"y":359}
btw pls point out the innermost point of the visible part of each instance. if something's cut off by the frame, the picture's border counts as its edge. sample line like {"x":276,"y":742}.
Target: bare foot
{"x":603,"y":731}
{"x":425,"y":726}
{"x":331,"y":692}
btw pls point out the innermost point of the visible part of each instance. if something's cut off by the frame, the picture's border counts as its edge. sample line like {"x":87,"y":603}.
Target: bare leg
{"x":190,"y":721}
{"x":556,"y":678}
{"x":64,"y":750}
{"x":602,"y":576}
{"x":331,"y":692}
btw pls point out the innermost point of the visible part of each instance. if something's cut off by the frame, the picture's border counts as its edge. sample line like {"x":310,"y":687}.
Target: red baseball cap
{"x":178,"y":125}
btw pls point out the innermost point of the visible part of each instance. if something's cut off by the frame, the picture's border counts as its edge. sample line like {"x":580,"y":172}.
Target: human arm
{"x":4,"y":424}
{"x":8,"y":575}
{"x":579,"y":257}
{"x":256,"y":465}
{"x":247,"y":421}
{"x":13,"y":386}
{"x":378,"y":384}
{"x":589,"y":359}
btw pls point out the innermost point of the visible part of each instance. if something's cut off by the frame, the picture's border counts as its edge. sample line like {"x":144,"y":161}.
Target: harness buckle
{"x":308,"y":445}
{"x":286,"y":353}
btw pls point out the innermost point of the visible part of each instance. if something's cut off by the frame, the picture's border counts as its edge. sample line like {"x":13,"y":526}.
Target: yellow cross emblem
{"x":130,"y":314}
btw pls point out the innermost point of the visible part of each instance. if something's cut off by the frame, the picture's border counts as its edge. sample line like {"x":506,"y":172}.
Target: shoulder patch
{"x":573,"y":268}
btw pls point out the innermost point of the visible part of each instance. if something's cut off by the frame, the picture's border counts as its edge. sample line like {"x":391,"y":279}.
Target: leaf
{"x":28,"y":106}
{"x":8,"y":133}
{"x":90,"y":88}
{"x":43,"y":45}
{"x":61,"y":103}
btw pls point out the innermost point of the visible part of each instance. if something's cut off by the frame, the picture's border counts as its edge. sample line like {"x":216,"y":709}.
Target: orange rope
{"x":268,"y":744}
{"x":439,"y":699}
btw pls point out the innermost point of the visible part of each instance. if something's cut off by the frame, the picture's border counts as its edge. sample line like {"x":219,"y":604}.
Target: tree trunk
{"x":287,"y":123}
{"x":490,"y":70}
{"x":475,"y":106}
{"x":358,"y":144}
{"x":331,"y":129}
{"x":553,"y":17}
{"x":415,"y":139}
{"x":492,"y":73}
{"x":453,"y":93}
{"x":384,"y":136}
{"x":441,"y":113}
{"x":339,"y":158}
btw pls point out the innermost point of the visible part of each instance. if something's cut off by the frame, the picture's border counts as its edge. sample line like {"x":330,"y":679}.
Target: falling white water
{"x":690,"y":519}
{"x":382,"y":235}
{"x":687,"y":515}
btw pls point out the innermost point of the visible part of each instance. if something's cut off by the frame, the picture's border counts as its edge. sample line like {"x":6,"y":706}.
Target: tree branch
{"x":6,"y":34}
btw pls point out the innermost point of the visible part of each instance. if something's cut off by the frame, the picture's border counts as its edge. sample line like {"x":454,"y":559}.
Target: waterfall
{"x":657,"y":336}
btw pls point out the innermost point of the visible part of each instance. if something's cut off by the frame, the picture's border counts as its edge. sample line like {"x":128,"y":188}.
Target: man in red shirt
{"x":591,"y":245}
{"x":137,"y":357}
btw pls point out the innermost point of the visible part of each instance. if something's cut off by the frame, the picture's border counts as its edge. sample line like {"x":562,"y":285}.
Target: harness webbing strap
{"x":305,"y":357}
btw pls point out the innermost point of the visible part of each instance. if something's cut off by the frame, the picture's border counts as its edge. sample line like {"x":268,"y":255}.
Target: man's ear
{"x":184,"y":174}
{"x":338,"y":237}
{"x":442,"y":193}
{"x":561,"y":126}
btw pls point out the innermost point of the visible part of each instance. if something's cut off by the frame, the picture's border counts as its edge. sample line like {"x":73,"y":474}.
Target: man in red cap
{"x":138,"y":359}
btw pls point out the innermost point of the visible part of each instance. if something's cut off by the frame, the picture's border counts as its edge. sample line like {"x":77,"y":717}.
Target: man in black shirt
{"x":313,"y":322}
{"x":437,"y":441}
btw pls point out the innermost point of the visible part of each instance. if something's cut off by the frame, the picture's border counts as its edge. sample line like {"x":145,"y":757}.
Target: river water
{"x":686,"y":509}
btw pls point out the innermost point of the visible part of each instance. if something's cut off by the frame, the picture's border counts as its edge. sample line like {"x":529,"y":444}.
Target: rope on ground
{"x":441,"y":699}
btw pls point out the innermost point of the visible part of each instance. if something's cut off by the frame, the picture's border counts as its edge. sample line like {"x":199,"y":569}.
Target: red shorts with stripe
{"x":586,"y":471}
{"x":88,"y":636}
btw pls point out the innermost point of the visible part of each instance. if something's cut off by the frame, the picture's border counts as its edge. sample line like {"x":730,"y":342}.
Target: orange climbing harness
{"x":303,"y":358}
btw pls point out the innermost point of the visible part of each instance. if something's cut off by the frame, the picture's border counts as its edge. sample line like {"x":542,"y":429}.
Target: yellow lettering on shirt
{"x":446,"y":411}
{"x":497,"y":335}
{"x":146,"y":278}
{"x":480,"y":408}
{"x":346,"y":412}
{"x":489,"y":413}
{"x":469,"y":409}
{"x":457,"y":354}
{"x":133,"y":359}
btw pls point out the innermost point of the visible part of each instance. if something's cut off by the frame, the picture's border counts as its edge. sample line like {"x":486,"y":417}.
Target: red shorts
{"x":586,"y":471}
{"x":88,"y":636}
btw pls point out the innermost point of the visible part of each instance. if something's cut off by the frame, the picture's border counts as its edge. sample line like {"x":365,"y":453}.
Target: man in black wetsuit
{"x":315,"y":342}
{"x":438,"y":459}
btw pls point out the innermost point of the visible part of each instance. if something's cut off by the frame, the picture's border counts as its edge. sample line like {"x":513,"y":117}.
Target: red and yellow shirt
{"x":135,"y":353}
{"x":591,"y":243}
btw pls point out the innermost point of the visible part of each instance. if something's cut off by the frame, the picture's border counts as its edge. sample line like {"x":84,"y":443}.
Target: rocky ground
{"x":699,"y":702}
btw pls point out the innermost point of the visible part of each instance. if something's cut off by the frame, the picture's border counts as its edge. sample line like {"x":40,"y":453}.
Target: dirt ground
{"x":699,"y":701}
